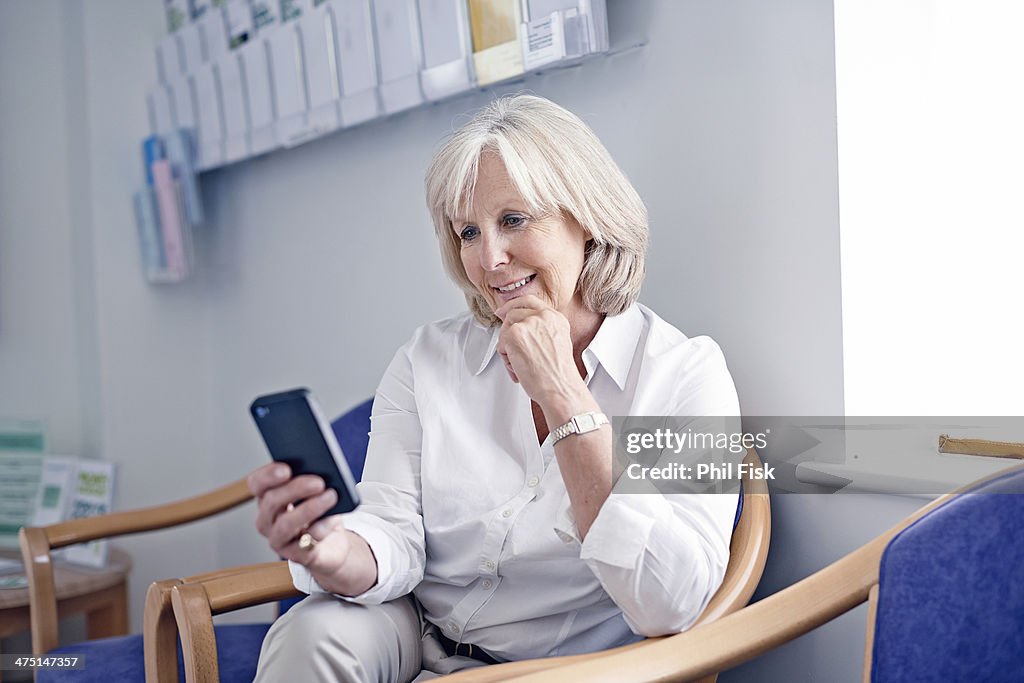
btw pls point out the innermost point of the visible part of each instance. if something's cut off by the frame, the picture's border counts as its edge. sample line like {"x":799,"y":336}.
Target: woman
{"x":488,"y":530}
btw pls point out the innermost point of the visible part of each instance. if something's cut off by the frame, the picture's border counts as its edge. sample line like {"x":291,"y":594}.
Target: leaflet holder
{"x":234,"y":107}
{"x":168,"y":206}
{"x":396,"y":27}
{"x":168,"y":59}
{"x":356,"y":60}
{"x":288,"y":85}
{"x":183,"y":103}
{"x":259,"y":95}
{"x":190,"y":47}
{"x":158,"y":104}
{"x":316,"y":35}
{"x":447,"y":60}
{"x":213,"y":29}
{"x":211,"y":129}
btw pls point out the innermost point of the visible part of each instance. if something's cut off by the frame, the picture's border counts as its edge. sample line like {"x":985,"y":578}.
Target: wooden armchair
{"x":196,"y":602}
{"x":46,"y":605}
{"x":945,"y":596}
{"x":155,"y":652}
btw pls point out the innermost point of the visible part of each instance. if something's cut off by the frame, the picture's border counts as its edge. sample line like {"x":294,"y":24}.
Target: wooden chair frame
{"x":195,"y":602}
{"x":159,"y":627}
{"x":757,"y":628}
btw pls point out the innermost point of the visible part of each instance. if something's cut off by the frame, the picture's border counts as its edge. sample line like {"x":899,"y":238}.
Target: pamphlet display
{"x":71,"y":488}
{"x":92,"y":493}
{"x":37,"y":489}
{"x":22,"y":446}
{"x":239,"y":78}
{"x":305,"y":68}
{"x":447,"y":67}
{"x":497,"y":51}
{"x":357,"y":60}
{"x":396,"y":25}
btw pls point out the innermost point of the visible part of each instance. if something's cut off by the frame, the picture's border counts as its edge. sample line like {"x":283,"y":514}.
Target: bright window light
{"x":931,"y":193}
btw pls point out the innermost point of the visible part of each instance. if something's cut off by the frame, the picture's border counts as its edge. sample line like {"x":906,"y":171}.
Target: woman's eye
{"x":514,"y":221}
{"x":469,"y":233}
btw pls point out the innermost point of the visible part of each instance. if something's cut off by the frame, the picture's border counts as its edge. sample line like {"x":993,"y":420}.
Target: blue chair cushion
{"x":951,"y":592}
{"x":121,"y":659}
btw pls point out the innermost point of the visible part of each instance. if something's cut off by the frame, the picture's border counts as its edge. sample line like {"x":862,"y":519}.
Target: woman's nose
{"x":493,"y":251}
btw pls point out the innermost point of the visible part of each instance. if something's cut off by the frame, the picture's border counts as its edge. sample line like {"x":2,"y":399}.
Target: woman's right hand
{"x":282,"y":523}
{"x":278,"y":519}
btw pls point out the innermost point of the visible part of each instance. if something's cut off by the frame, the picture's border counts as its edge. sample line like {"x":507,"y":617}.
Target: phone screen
{"x":297,"y":435}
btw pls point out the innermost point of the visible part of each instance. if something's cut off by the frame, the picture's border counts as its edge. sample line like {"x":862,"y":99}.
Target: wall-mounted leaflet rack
{"x":246,"y":77}
{"x":338,"y":63}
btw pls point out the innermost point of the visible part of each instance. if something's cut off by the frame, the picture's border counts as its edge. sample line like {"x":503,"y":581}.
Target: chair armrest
{"x":742,"y":635}
{"x":147,"y":519}
{"x":254,"y":584}
{"x":747,"y":556}
{"x":196,"y":601}
{"x":751,"y":631}
{"x":515,"y":670}
{"x":159,"y":630}
{"x":37,"y":542}
{"x":748,"y":551}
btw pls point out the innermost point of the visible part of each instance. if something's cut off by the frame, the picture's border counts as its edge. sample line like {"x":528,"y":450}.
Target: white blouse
{"x":463,"y":507}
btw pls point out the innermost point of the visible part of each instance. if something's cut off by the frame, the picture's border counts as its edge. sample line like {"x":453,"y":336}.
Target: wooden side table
{"x":102,"y":594}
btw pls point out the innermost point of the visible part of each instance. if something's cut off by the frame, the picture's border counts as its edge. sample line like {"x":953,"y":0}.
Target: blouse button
{"x":506,"y":514}
{"x":533,"y":481}
{"x":486,"y":584}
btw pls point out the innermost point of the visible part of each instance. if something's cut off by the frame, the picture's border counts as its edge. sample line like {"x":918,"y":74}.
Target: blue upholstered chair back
{"x":951,"y":591}
{"x":353,"y":433}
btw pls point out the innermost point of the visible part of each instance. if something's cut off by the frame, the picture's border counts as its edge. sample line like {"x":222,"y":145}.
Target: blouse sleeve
{"x":661,"y":557}
{"x":390,"y":516}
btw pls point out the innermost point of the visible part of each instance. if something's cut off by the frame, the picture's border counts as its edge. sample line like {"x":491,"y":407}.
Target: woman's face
{"x":508,"y":252}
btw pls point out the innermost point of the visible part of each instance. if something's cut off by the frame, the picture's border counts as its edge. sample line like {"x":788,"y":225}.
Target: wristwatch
{"x":579,"y":424}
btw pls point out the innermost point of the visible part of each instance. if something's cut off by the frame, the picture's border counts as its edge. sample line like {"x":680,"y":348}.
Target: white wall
{"x":318,"y":262}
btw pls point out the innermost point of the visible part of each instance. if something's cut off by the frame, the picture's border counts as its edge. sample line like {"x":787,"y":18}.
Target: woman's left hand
{"x":536,"y":347}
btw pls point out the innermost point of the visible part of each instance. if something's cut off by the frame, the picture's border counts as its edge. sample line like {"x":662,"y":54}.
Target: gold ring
{"x":306,"y":541}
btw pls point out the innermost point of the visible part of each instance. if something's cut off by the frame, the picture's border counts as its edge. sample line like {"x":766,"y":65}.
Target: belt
{"x":465,"y":650}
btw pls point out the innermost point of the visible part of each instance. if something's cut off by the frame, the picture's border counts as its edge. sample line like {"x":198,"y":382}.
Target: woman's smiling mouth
{"x":513,"y":289}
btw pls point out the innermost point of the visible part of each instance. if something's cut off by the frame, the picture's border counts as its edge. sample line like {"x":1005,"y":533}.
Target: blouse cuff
{"x":380,"y":545}
{"x":382,"y":548}
{"x":303,"y":580}
{"x":622,"y":528}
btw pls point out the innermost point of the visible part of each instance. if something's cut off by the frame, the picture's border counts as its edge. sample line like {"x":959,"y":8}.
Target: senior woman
{"x":489,"y":530}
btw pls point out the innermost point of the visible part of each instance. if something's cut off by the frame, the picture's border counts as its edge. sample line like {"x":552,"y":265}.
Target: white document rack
{"x":247,"y":78}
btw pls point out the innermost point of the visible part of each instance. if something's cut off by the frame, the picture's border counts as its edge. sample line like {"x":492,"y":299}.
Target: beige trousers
{"x":326,"y":639}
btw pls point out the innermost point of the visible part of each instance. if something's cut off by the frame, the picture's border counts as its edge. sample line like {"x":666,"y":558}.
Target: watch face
{"x":585,"y":422}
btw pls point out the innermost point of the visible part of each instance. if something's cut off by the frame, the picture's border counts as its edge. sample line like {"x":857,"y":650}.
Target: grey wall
{"x":318,"y":262}
{"x":39,"y":252}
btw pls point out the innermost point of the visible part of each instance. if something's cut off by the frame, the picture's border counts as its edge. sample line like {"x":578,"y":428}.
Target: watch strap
{"x":579,"y":424}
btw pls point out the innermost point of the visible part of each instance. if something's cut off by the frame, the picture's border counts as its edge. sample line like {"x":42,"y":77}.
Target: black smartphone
{"x":297,"y":434}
